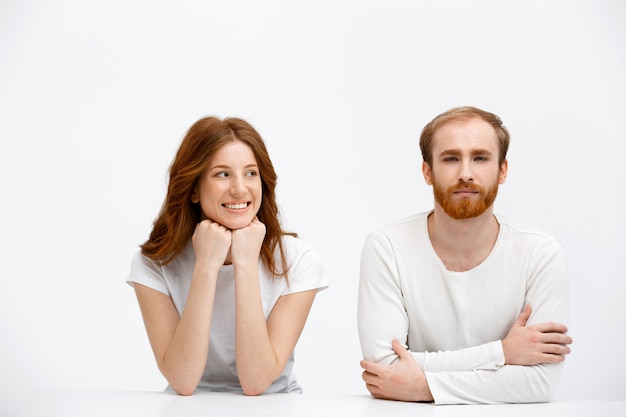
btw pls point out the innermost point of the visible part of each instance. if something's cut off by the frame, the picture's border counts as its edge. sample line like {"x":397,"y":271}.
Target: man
{"x":459,"y":305}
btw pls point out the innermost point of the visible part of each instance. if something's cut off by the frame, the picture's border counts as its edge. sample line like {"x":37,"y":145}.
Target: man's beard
{"x":464,"y":208}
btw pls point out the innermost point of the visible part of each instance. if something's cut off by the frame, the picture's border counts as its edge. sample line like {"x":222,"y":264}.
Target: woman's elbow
{"x":184,"y":389}
{"x":252,"y":392}
{"x":253,"y":389}
{"x":184,"y":386}
{"x":181,"y":381}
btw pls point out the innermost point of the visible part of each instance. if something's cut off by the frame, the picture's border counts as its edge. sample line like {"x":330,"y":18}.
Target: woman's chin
{"x":239,"y":224}
{"x":230,"y":223}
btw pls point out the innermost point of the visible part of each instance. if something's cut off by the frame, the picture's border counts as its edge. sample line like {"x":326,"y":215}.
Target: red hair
{"x":178,"y":217}
{"x":463,"y":113}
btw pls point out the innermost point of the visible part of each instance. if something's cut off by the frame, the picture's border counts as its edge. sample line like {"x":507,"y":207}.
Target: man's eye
{"x":480,"y":158}
{"x":450,"y":159}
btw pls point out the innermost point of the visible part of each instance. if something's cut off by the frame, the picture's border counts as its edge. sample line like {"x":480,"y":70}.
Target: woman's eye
{"x":222,"y":174}
{"x":251,"y":174}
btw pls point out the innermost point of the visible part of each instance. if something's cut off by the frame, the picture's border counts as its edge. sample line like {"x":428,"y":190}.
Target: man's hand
{"x":403,"y":380}
{"x":536,"y":344}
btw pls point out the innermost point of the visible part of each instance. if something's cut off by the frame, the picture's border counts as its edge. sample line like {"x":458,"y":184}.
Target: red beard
{"x":464,"y":208}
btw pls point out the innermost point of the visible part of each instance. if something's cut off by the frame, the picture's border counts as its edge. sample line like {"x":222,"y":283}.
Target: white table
{"x":160,"y":404}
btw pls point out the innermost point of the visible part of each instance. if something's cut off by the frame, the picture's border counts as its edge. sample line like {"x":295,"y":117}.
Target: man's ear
{"x":504,"y":169}
{"x":427,"y":172}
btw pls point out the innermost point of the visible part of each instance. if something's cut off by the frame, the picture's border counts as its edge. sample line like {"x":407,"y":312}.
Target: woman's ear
{"x":195,"y":197}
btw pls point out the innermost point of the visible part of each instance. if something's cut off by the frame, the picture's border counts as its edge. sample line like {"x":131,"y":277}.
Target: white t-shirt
{"x":453,"y":322}
{"x":174,"y":279}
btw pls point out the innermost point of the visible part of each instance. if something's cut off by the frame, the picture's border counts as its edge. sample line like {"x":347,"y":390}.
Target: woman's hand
{"x":211,"y":243}
{"x":181,"y":342}
{"x":246,"y":244}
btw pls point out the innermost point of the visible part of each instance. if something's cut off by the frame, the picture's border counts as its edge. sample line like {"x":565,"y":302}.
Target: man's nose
{"x":465,"y":173}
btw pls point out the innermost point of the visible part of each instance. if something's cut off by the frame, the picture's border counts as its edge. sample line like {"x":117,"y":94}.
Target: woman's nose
{"x":237,"y":186}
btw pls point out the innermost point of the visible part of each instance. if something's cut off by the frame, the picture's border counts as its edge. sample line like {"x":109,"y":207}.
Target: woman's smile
{"x":229,"y":190}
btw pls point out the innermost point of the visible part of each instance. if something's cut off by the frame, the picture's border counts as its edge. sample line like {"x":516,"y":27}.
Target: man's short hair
{"x":463,"y":113}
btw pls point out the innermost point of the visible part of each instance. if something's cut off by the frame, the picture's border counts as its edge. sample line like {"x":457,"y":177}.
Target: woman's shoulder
{"x":141,"y":262}
{"x":154,"y":269}
{"x":295,"y":247}
{"x":306,"y":268}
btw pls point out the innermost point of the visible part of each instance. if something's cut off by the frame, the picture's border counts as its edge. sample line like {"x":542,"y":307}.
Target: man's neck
{"x":462,"y":244}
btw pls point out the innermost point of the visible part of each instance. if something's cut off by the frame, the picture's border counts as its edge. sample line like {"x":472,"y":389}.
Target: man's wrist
{"x":425,"y":395}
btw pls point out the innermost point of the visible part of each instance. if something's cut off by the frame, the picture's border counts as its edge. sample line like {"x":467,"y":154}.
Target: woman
{"x":224,"y":292}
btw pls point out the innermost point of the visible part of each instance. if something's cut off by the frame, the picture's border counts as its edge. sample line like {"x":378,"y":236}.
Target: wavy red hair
{"x":178,"y":217}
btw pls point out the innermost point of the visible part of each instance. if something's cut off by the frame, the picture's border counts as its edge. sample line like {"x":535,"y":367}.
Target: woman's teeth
{"x":236,"y":206}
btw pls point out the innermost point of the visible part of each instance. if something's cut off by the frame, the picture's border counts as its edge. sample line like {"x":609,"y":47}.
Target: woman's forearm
{"x":257,"y":362}
{"x":184,"y":361}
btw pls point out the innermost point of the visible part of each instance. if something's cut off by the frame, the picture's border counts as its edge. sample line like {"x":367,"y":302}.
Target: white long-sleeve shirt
{"x":453,"y":322}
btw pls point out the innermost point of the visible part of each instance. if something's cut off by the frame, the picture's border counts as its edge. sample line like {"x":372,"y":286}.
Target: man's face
{"x":465,"y":172}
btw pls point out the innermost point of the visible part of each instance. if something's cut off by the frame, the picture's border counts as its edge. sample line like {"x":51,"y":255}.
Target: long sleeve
{"x":508,"y":384}
{"x":382,"y":316}
{"x":453,"y":323}
{"x":547,"y":291}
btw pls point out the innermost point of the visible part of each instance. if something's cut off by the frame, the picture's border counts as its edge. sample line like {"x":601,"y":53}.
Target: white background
{"x":95,"y":97}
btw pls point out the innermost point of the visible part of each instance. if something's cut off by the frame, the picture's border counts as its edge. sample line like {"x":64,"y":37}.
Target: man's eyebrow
{"x":449,"y":152}
{"x":481,"y":152}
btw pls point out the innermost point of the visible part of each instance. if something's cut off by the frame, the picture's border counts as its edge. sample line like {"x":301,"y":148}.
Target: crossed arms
{"x":462,"y":351}
{"x":406,"y":380}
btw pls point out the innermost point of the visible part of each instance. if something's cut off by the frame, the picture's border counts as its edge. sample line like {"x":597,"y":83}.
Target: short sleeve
{"x":146,"y":272}
{"x":305,"y":267}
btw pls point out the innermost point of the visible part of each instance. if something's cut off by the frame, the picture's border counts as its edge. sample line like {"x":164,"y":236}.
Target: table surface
{"x":139,"y":404}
